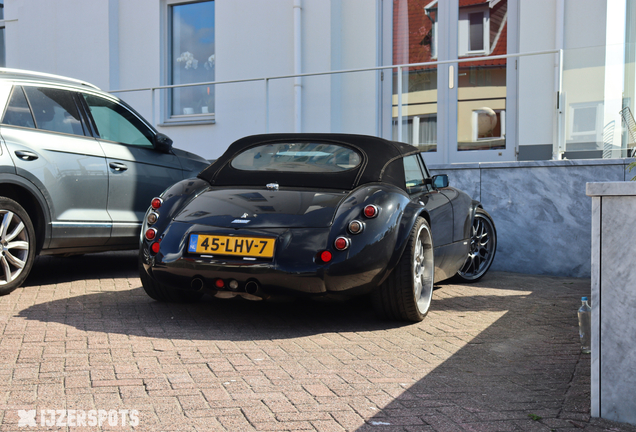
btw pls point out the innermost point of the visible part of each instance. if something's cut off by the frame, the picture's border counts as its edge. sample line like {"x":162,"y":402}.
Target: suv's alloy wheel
{"x":17,"y":245}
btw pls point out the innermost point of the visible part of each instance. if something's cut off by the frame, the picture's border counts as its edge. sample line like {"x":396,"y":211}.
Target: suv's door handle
{"x":26,"y":155}
{"x":118,"y":166}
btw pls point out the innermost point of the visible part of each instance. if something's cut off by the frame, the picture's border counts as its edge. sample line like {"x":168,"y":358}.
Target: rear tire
{"x":406,"y":294}
{"x":17,"y":245}
{"x":163,"y":293}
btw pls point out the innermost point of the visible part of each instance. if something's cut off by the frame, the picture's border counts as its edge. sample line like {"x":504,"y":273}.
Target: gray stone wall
{"x":540,"y":209}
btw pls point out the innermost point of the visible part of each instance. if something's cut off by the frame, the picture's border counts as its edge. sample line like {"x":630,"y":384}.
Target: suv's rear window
{"x":297,"y":157}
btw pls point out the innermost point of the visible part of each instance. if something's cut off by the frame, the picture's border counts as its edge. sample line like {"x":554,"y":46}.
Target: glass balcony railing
{"x":581,"y":102}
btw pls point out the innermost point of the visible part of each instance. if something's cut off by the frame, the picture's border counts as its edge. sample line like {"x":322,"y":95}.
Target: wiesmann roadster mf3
{"x":329,"y":215}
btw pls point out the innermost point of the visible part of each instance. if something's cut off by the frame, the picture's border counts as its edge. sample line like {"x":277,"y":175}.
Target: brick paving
{"x":499,"y":355}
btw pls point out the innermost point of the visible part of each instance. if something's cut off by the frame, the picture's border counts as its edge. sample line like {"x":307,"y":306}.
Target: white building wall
{"x":139,"y":44}
{"x":248,"y":45}
{"x":360,"y":91}
{"x":119,"y":44}
{"x":254,"y":39}
{"x":47,"y":38}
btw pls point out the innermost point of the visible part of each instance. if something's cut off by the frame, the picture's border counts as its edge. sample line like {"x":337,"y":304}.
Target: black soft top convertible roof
{"x":381,"y":162}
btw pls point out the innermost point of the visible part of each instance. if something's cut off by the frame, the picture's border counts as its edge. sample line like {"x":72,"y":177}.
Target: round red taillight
{"x":325,"y":256}
{"x":155,"y":247}
{"x":151,"y":233}
{"x":219,"y":283}
{"x":156,"y":203}
{"x":341,"y":243}
{"x":371,"y":211}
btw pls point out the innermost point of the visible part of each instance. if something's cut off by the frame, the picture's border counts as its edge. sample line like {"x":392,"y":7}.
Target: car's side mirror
{"x":440,"y":181}
{"x":163,"y":143}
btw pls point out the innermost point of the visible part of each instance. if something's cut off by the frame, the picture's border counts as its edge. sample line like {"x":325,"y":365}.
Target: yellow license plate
{"x":231,"y":245}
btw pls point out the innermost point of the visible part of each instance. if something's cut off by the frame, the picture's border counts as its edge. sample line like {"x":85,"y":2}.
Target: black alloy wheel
{"x":483,"y":245}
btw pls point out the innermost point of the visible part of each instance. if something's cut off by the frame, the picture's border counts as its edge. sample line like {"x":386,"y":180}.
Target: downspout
{"x":297,"y":68}
{"x":559,"y":145}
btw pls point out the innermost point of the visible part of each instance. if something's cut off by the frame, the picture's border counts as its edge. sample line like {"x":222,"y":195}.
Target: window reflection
{"x":192,"y":58}
{"x":481,"y":85}
{"x":415,"y":41}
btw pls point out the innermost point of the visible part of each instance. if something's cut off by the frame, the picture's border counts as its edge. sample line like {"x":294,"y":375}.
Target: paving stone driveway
{"x":499,"y":355}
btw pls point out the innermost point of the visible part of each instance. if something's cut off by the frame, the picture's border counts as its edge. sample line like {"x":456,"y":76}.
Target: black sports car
{"x":315,"y":214}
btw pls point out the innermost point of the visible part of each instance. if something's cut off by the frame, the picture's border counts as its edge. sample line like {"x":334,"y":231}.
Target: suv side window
{"x":54,"y":110}
{"x":18,"y":112}
{"x":413,"y":175}
{"x":116,"y":123}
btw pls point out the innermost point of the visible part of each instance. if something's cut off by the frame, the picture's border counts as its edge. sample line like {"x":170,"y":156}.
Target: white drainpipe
{"x":297,"y":68}
{"x":559,"y":147}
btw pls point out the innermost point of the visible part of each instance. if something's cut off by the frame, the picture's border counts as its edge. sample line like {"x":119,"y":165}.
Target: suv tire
{"x":17,"y":245}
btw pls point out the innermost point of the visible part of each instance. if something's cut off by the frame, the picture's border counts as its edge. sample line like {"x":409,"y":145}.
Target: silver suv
{"x":78,"y":168}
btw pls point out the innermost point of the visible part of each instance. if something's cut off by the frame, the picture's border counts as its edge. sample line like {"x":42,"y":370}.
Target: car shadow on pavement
{"x":104,"y":294}
{"x":54,"y":269}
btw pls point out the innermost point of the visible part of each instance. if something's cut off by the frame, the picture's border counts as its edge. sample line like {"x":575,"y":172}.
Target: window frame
{"x":501,"y":119}
{"x":9,"y":96}
{"x":463,"y":47}
{"x":166,"y":52}
{"x":424,"y":187}
{"x":86,"y":131}
{"x":597,"y":131}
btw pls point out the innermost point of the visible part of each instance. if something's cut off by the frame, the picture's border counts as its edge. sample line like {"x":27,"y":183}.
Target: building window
{"x":585,"y":122}
{"x":476,"y":34}
{"x":585,"y":134}
{"x":191,"y":59}
{"x":488,"y":124}
{"x":474,"y":30}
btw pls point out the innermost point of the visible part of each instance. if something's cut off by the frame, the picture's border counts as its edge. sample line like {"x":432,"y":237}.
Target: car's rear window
{"x":297,"y":157}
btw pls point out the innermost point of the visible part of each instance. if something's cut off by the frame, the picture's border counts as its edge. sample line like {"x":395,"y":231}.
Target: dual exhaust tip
{"x":252,"y":287}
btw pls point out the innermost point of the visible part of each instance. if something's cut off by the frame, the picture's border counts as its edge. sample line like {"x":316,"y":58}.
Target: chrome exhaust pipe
{"x":252,"y":287}
{"x":196,"y":284}
{"x":253,"y":291}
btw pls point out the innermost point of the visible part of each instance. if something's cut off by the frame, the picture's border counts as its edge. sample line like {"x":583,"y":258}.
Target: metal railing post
{"x":266,"y":80}
{"x":560,"y":110}
{"x":399,"y":104}
{"x":152,"y":101}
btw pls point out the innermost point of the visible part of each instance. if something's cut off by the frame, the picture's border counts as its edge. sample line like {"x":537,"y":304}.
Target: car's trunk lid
{"x":262,"y":208}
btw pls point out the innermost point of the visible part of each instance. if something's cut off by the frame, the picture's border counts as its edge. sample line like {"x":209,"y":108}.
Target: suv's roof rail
{"x":26,"y":74}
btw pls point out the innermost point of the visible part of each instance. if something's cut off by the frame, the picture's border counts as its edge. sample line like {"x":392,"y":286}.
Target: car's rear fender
{"x":370,"y":253}
{"x":173,"y":200}
{"x":411,"y":212}
{"x":33,"y":201}
{"x":473,"y":209}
